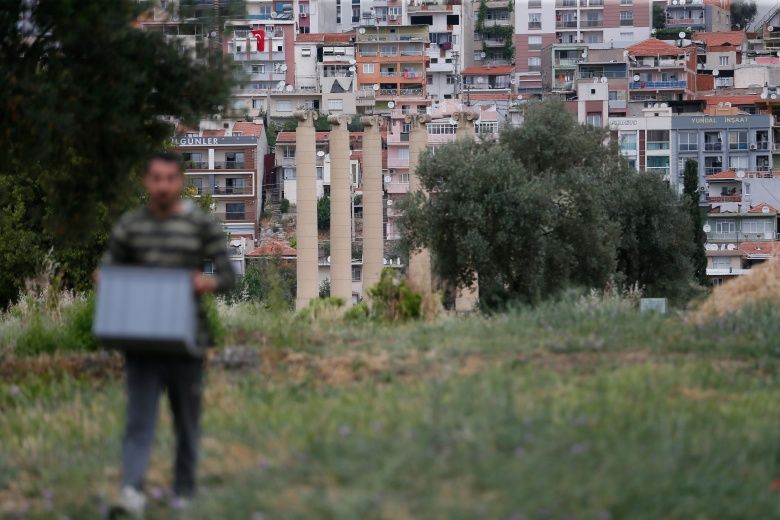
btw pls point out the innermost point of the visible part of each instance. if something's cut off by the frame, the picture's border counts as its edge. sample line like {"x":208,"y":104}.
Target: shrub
{"x":392,"y":300}
{"x":360,"y":312}
{"x":284,"y":205}
{"x":214,"y":323}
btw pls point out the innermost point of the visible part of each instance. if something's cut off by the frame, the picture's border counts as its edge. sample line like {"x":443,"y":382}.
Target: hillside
{"x":584,"y":409}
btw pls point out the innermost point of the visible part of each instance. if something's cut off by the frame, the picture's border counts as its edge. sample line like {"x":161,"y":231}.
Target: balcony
{"x":566,"y":24}
{"x":229,"y":165}
{"x":640,"y":85}
{"x":660,"y":170}
{"x":235,"y":216}
{"x":617,"y":104}
{"x":725,"y":198}
{"x":684,"y":22}
{"x":223,"y":190}
{"x":493,"y":42}
{"x":591,"y":23}
{"x":501,"y":22}
{"x":411,"y":91}
{"x":196,"y":165}
{"x":568,"y":63}
{"x":713,"y":147}
{"x":657,"y":145}
{"x":762,"y":145}
{"x":726,"y":271}
{"x":397,"y":188}
{"x":387,"y":74}
{"x":566,"y":3}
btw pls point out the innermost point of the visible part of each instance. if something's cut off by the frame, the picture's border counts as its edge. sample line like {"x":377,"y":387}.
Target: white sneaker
{"x":131,"y":503}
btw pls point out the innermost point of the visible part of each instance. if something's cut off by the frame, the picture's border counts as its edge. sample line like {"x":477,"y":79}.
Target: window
{"x":626,"y":18}
{"x":356,"y":272}
{"x":738,"y":162}
{"x":738,"y":140}
{"x":320,"y":173}
{"x":306,"y":51}
{"x":451,"y":79}
{"x":688,"y":141}
{"x":368,"y":68}
{"x":197,"y":184}
{"x":234,"y":160}
{"x":257,"y":103}
{"x":626,"y":2}
{"x":404,"y":178}
{"x":593,"y":119}
{"x":403,"y":154}
{"x":336,"y":104}
{"x":534,"y":42}
{"x":477,"y":55}
{"x":234,"y":186}
{"x":723,"y":60}
{"x":658,"y":164}
{"x":721,"y":262}
{"x":429,"y":79}
{"x":725,"y":226}
{"x":762,"y":163}
{"x":712,"y":141}
{"x":235,"y":211}
{"x":627,"y":36}
{"x":758,"y":226}
{"x":284,"y":106}
{"x":534,"y":4}
{"x":658,"y":139}
{"x":534,"y":63}
{"x":258,"y":69}
{"x":289,"y":174}
{"x":534,"y":20}
{"x":289,"y":152}
{"x":627,"y":142}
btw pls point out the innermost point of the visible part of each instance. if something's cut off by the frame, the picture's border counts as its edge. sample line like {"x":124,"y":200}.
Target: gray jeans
{"x":146,"y":378}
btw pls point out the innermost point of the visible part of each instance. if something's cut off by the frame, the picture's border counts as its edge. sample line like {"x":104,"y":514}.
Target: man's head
{"x":164,"y":179}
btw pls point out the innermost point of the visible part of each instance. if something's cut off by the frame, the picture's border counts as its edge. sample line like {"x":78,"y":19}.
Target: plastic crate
{"x":147,"y":310}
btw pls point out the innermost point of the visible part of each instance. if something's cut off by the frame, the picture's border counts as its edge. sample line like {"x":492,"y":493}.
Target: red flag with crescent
{"x":259,"y":35}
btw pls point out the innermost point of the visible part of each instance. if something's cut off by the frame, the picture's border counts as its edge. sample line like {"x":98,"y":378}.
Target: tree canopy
{"x":546,"y":207}
{"x":742,"y":13}
{"x":83,"y":100}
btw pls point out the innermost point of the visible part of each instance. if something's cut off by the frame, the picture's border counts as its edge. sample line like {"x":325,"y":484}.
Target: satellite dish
{"x":376,"y":86}
{"x":773,"y":96}
{"x":389,"y":202}
{"x":320,"y":153}
{"x":664,"y":105}
{"x":700,"y":66}
{"x":636,"y":77}
{"x":384,"y":261}
{"x":388,"y":178}
{"x":328,"y":259}
{"x":283,"y":68}
{"x":625,"y":52}
{"x":770,"y":28}
{"x":595,"y":80}
{"x":778,"y":53}
{"x":604,"y":79}
{"x":519,"y":97}
{"x":765,"y":210}
{"x":715,"y":72}
{"x":740,"y":174}
{"x":483,"y":54}
{"x":707,"y":228}
{"x":681,"y":34}
{"x":352,"y":69}
{"x":362,"y":30}
{"x":584,"y":54}
{"x":731,"y":247}
{"x":352,"y":62}
{"x":391,"y":104}
{"x":289,"y":88}
{"x":652,"y":32}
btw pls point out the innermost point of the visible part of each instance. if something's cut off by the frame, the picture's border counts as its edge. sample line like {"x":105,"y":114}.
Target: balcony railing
{"x":658,"y":145}
{"x":638,"y":85}
{"x":229,"y":165}
{"x":566,"y":24}
{"x":223,"y":190}
{"x":235,"y":216}
{"x":713,"y":147}
{"x":762,"y":145}
{"x":566,"y":62}
{"x":709,"y":170}
{"x":660,"y":170}
{"x":592,"y":23}
{"x":196,"y":165}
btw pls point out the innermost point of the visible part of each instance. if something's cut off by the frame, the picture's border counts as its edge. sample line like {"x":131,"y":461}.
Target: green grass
{"x":583,"y":410}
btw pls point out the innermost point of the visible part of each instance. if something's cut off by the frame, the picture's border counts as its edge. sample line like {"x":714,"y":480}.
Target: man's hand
{"x":203,"y":283}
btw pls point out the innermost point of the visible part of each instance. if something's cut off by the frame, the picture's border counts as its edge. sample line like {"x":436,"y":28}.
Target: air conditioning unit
{"x":702,"y":189}
{"x":393,"y":18}
{"x":304,"y":15}
{"x":752,"y":146}
{"x":391,"y":171}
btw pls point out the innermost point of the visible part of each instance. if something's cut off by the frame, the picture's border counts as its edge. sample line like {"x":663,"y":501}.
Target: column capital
{"x":305,"y":115}
{"x":417,"y":119}
{"x":374,"y":120}
{"x":462,"y":116}
{"x":339,"y":119}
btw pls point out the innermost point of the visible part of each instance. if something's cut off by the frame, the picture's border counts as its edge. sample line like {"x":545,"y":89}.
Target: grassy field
{"x":579,"y":410}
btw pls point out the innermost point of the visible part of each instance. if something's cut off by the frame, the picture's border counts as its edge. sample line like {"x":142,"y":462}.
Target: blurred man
{"x":167,"y":232}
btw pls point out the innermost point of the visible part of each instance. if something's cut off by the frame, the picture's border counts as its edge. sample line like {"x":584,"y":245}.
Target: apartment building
{"x":607,"y":67}
{"x":325,"y":64}
{"x":722,"y":139}
{"x":644,"y":141}
{"x":719,"y":55}
{"x":225,"y":162}
{"x":493,"y":33}
{"x":391,"y":63}
{"x":445,"y":52}
{"x":698,"y":15}
{"x":659,"y":72}
{"x":594,"y":23}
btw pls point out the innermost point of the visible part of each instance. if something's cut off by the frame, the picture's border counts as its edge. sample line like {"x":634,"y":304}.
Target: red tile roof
{"x":744,"y":99}
{"x":653,"y":47}
{"x":768,"y":248}
{"x":499,"y":70}
{"x":289,"y":137}
{"x":247,"y":128}
{"x":213,"y":133}
{"x":760,"y":208}
{"x":325,"y":37}
{"x":273,"y":248}
{"x":712,"y":39}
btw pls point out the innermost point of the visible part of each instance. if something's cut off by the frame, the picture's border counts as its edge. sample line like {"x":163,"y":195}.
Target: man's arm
{"x":215,"y":249}
{"x":118,"y":250}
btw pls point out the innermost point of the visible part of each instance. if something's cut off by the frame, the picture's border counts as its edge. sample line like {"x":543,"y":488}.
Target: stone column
{"x":373,"y":225}
{"x":306,"y":209}
{"x":340,"y":211}
{"x":419,"y":269}
{"x":466,"y":298}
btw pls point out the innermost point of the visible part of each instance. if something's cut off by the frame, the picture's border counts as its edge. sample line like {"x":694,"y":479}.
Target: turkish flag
{"x":259,"y":35}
